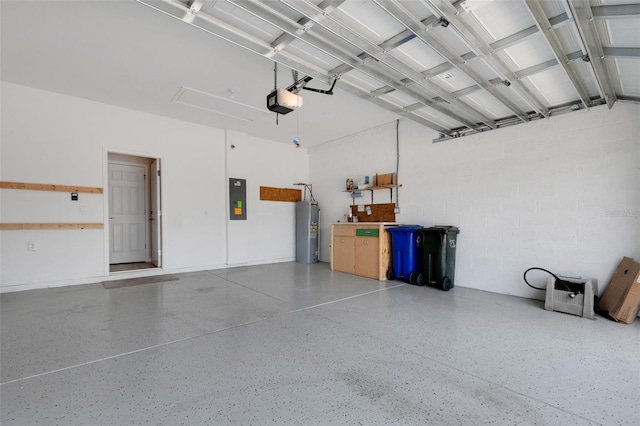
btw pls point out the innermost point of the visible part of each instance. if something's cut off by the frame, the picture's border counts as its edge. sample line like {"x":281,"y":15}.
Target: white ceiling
{"x":124,"y":53}
{"x":496,"y":63}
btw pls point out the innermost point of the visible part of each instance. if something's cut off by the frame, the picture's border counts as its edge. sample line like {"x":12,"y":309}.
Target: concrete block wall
{"x":562,"y":193}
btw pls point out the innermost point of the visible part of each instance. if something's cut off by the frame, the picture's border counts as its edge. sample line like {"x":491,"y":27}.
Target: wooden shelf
{"x":48,"y":187}
{"x":379,"y":182}
{"x":39,"y":226}
{"x":371,"y":188}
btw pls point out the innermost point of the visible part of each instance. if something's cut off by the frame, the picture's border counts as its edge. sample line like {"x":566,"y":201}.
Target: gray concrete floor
{"x":297,"y":344}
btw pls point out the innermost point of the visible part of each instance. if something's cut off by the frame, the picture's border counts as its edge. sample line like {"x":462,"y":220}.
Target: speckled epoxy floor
{"x":298,"y":344}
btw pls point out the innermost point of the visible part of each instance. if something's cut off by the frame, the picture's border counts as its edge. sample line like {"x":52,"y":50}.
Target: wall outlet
{"x":31,"y":246}
{"x":396,"y":210}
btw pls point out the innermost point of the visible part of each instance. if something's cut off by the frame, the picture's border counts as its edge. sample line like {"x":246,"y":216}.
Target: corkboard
{"x":280,"y":194}
{"x":379,"y":213}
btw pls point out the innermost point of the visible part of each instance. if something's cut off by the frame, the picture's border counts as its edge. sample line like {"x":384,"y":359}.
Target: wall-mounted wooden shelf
{"x":379,"y":182}
{"x":40,"y":226}
{"x":374,"y":188}
{"x":371,"y":188}
{"x":49,"y":187}
{"x":48,"y":225}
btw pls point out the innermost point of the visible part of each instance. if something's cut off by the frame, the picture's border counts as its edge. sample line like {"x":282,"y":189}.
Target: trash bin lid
{"x":441,"y":229}
{"x":404,"y":228}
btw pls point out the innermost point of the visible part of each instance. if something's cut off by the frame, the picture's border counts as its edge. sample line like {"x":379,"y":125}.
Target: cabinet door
{"x":343,"y":254}
{"x":367,"y":257}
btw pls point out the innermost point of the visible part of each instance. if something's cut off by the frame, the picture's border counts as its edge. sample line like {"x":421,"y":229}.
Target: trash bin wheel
{"x":413,"y":277}
{"x":447,"y":284}
{"x":420,"y":279}
{"x":390,"y":275}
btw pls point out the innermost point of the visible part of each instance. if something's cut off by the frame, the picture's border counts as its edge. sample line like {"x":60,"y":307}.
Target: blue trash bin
{"x":406,"y":247}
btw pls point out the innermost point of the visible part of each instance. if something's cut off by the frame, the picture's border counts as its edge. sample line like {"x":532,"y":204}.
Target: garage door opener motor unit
{"x":283,"y":101}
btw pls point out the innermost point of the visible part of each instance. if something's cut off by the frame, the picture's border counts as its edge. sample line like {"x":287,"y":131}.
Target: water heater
{"x":307,"y":221}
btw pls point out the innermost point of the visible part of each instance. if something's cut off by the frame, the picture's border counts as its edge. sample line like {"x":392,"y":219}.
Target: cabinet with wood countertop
{"x":361,"y":249}
{"x":343,"y":253}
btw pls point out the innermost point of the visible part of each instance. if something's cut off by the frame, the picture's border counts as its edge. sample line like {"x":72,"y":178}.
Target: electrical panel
{"x":237,"y":199}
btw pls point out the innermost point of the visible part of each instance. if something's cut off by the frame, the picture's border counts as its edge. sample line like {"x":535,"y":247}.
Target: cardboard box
{"x":385,"y":179}
{"x":621,"y":298}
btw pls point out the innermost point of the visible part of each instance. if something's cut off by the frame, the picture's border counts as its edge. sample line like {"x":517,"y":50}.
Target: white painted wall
{"x":56,"y":139}
{"x":562,"y":194}
{"x":269,"y":233}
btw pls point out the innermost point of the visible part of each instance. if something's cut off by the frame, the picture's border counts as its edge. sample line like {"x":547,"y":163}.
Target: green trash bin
{"x":439,"y":256}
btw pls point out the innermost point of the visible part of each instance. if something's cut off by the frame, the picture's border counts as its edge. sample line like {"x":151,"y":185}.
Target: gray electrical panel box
{"x":307,"y":216}
{"x":237,"y":199}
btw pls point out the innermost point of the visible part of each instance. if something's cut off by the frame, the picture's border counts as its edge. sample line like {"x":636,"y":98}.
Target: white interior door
{"x":127,"y":218}
{"x":155,"y":215}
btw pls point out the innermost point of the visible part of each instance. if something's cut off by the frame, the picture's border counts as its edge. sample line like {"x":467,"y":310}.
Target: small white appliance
{"x":571,"y":296}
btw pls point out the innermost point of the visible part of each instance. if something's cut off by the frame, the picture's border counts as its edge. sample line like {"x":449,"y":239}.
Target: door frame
{"x":155,"y":211}
{"x":105,"y":178}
